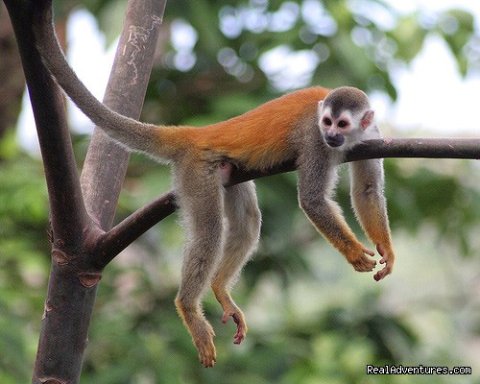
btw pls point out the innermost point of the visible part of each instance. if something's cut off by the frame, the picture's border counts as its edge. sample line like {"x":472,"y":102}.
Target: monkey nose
{"x":335,"y":140}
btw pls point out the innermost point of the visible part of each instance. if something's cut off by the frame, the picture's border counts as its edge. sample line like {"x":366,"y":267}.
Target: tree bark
{"x":12,"y":82}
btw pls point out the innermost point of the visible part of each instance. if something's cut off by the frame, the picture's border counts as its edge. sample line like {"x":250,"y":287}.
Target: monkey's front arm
{"x":315,"y":185}
{"x":367,"y":183}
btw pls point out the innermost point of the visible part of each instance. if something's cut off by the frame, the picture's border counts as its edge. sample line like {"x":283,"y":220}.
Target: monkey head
{"x":344,"y":117}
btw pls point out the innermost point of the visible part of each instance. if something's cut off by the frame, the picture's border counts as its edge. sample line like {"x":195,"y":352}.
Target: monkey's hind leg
{"x":200,"y":196}
{"x":242,"y":233}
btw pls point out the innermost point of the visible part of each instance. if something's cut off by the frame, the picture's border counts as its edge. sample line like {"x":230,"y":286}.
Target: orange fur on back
{"x":258,"y":138}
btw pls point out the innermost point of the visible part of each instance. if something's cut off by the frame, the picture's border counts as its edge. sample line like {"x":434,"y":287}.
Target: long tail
{"x":129,"y":132}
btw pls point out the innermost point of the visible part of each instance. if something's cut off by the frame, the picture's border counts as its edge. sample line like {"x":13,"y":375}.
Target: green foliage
{"x":426,"y":196}
{"x":24,"y":263}
{"x":456,"y":27}
{"x":410,"y":36}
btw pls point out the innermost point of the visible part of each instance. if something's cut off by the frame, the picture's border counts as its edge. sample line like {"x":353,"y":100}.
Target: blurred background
{"x":311,"y":318}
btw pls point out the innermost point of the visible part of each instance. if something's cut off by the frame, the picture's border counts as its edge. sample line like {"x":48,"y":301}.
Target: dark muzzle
{"x":335,"y":140}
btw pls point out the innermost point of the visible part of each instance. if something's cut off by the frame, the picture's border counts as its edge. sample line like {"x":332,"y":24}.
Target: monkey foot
{"x":206,"y":349}
{"x":239,"y":319}
{"x":201,"y":331}
{"x":207,"y":355}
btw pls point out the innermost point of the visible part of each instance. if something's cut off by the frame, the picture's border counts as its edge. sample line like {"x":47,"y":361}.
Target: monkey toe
{"x":241,"y":328}
{"x":207,"y":353}
{"x":208,"y":360}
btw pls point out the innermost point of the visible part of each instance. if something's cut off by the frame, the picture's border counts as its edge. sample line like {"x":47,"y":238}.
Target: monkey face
{"x":335,"y":129}
{"x":342,"y":127}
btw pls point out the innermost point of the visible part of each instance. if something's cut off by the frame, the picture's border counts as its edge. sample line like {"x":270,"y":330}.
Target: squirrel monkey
{"x":313,"y":126}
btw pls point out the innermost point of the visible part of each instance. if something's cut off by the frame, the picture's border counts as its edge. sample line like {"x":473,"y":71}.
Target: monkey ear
{"x":320,"y":107}
{"x":367,"y":119}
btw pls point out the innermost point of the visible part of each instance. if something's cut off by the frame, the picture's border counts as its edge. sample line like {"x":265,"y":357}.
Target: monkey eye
{"x":327,"y":121}
{"x":342,"y":123}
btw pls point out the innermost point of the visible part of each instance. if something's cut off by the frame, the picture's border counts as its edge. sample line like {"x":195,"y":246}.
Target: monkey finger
{"x":382,"y":273}
{"x":364,"y":265}
{"x":368,"y":252}
{"x":381,"y":249}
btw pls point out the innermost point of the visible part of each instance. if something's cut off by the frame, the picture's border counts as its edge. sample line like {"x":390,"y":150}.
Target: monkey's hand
{"x":231,"y":310}
{"x":359,"y":259}
{"x":388,"y":259}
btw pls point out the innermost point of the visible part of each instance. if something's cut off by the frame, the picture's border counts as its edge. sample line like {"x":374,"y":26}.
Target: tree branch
{"x":124,"y":233}
{"x":414,"y":148}
{"x":106,"y":162}
{"x":68,"y":214}
{"x":114,"y":241}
